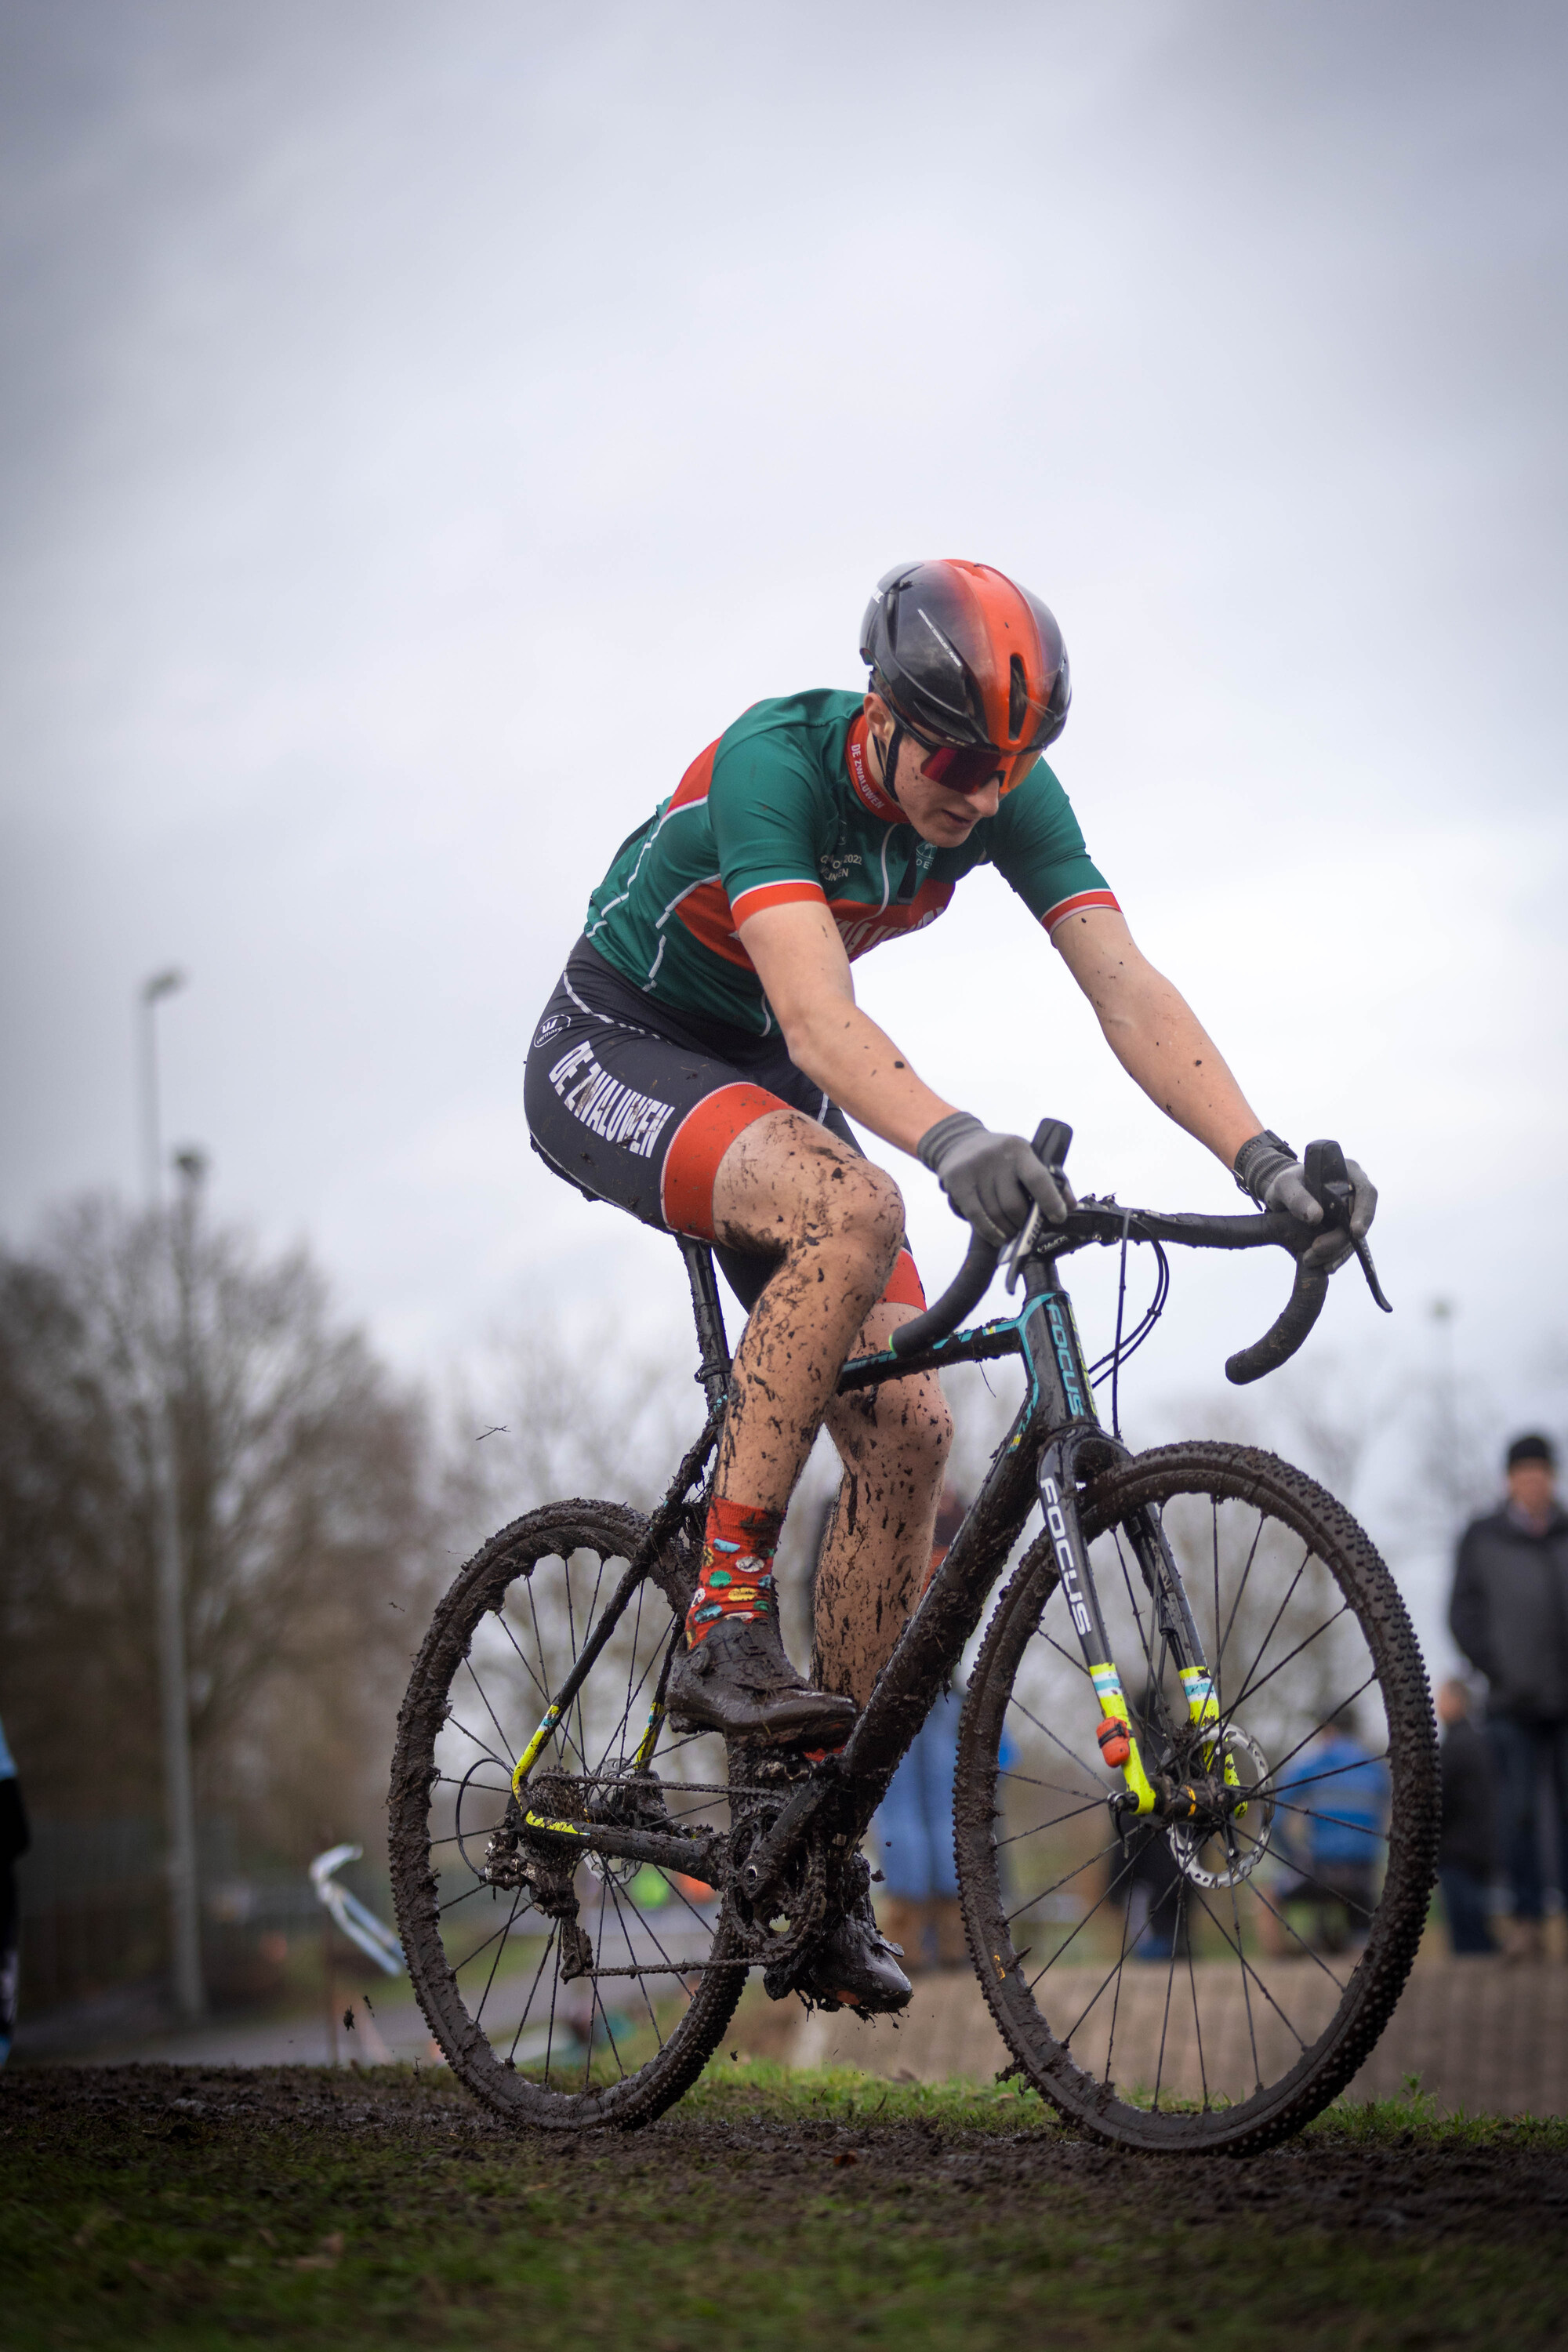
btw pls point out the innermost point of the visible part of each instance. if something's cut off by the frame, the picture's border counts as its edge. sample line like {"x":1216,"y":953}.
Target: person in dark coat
{"x":14,"y":1843}
{"x":1466,"y":1847}
{"x":1510,"y":1616}
{"x":920,"y":1910}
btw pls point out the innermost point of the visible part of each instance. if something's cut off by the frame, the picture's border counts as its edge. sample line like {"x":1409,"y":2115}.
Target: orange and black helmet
{"x":968,"y":662}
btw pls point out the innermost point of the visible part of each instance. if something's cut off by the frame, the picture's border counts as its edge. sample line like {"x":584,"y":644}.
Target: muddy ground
{"x":1510,"y":2191}
{"x":177,"y":2194}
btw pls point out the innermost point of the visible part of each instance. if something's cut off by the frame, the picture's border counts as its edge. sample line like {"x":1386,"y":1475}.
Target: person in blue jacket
{"x":1333,"y":1810}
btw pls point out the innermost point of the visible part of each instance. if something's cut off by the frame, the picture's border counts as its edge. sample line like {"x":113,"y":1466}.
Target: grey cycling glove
{"x":991,"y":1180}
{"x":1268,"y":1168}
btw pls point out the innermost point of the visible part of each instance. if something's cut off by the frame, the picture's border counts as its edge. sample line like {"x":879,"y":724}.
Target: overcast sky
{"x":425,"y":428}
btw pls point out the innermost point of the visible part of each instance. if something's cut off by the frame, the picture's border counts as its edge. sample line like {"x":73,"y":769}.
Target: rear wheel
{"x":1213,"y":1987}
{"x":566,"y":1989}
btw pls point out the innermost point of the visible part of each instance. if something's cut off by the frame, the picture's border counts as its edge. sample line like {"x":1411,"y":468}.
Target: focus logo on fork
{"x":1055,"y":1521}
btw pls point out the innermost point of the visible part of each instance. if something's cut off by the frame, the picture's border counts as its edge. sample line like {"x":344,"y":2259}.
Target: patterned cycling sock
{"x":736,"y":1578}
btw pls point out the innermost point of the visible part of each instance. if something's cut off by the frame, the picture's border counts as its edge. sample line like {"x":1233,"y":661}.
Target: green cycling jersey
{"x":786,"y":806}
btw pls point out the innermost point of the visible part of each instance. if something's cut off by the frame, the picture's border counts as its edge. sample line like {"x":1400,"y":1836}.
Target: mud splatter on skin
{"x":836,"y":1224}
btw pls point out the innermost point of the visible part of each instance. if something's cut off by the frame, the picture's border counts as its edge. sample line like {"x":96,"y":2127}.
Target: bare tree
{"x":308,"y":1532}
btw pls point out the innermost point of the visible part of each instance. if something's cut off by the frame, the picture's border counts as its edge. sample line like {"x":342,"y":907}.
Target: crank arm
{"x":772,"y":1853}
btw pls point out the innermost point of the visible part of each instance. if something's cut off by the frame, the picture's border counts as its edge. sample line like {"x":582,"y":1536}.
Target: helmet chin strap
{"x":891,"y":760}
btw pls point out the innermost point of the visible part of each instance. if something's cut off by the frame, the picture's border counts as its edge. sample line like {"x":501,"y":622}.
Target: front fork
{"x":1118,"y":1740}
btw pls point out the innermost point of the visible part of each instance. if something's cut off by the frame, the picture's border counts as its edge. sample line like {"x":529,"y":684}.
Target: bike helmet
{"x":970,"y":664}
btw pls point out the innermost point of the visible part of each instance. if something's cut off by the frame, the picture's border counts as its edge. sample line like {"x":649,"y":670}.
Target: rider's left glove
{"x":991,"y":1180}
{"x":1267,"y":1168}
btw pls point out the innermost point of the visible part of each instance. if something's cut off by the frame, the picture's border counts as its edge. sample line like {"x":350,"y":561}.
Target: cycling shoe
{"x":738,"y":1680}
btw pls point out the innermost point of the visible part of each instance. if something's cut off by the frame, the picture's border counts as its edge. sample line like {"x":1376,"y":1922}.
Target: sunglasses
{"x":969,"y":767}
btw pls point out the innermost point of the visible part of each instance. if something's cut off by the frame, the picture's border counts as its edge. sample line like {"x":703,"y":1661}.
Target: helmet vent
{"x":1017,"y":698}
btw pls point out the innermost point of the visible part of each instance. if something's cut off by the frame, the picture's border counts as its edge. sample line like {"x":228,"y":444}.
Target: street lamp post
{"x":179,"y":1793}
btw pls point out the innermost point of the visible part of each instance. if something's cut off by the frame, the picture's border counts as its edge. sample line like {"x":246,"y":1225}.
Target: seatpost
{"x":712,"y":1343}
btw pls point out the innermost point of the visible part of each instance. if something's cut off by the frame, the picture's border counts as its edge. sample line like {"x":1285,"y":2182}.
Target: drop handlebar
{"x":1106,"y":1221}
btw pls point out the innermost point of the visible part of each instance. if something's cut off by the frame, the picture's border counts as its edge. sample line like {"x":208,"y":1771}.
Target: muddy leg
{"x":894,"y":1443}
{"x":788,"y":1187}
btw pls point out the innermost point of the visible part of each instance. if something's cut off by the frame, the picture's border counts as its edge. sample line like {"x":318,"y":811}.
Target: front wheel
{"x":1170,"y":1989}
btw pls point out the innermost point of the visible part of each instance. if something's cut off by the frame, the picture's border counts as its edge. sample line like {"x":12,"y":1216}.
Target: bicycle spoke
{"x":1337,"y":1821}
{"x":1240,"y":1590}
{"x":1083,"y":1923}
{"x":484,"y":1701}
{"x":1252,"y":1689}
{"x":1094,"y":1806}
{"x":1075,"y":1660}
{"x":641,"y":1982}
{"x":1250,"y":1973}
{"x":1311,"y":1780}
{"x":1197,"y":2019}
{"x":1066,"y":1879}
{"x":1279,"y":1613}
{"x":1114,"y":1970}
{"x":1057,"y":1788}
{"x":1275,"y":1913}
{"x":1170,"y":1981}
{"x":483,"y":1747}
{"x":500,"y":1947}
{"x":533,"y":1987}
{"x":1070,"y":1753}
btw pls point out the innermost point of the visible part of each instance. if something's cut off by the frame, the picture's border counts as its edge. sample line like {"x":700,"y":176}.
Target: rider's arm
{"x":799,"y":958}
{"x":1153,"y":1032}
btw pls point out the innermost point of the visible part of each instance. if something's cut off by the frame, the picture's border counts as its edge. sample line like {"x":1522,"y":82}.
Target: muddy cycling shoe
{"x":739,"y":1681}
{"x":853,"y":1968}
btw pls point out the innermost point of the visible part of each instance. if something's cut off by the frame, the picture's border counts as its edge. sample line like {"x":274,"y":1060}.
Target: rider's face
{"x":938,"y":813}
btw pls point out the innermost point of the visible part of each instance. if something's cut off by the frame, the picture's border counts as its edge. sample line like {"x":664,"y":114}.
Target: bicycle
{"x":581,"y":1892}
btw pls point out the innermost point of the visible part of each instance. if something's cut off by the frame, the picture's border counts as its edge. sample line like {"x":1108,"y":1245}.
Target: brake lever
{"x":1372,"y":1284}
{"x":1327,"y":1181}
{"x":1018,"y":1248}
{"x":1049,"y":1143}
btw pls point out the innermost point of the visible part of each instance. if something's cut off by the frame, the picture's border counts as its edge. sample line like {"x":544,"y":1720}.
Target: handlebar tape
{"x":966,"y":1289}
{"x":1302,"y":1309}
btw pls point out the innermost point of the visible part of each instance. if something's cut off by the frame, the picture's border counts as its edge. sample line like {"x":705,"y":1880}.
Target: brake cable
{"x":1110,"y":1364}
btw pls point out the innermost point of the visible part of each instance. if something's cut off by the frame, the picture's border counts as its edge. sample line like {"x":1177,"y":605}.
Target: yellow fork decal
{"x":1204,"y":1707}
{"x":1108,"y":1691}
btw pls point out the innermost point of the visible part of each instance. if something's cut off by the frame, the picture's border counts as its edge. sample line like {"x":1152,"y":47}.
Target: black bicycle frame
{"x":1055,"y":1442}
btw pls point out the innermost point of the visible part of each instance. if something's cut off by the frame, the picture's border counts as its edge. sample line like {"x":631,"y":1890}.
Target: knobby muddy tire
{"x":556,"y":1529}
{"x":1247,"y":1475}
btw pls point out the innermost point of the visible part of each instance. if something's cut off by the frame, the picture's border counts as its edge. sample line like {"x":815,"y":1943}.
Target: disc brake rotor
{"x":1225,"y":1855}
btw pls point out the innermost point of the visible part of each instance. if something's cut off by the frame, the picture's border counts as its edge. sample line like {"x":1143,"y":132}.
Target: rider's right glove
{"x":1268,"y":1168}
{"x":991,"y":1180}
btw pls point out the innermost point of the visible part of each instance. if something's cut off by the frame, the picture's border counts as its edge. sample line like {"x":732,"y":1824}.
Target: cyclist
{"x":697,"y":1060}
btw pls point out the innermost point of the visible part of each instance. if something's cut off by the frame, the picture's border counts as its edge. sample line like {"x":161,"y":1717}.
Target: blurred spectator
{"x":1466,"y":1849}
{"x":1333,"y":1802}
{"x":1148,"y":1878}
{"x":1156,"y":1913}
{"x":1510,"y":1617}
{"x":14,"y":1842}
{"x":920,"y":1908}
